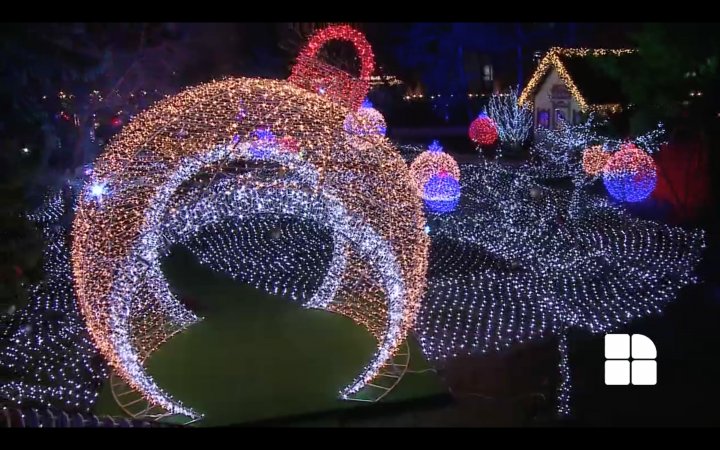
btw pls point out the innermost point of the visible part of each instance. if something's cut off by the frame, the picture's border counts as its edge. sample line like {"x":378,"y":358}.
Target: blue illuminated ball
{"x":441,"y":193}
{"x":630,"y":175}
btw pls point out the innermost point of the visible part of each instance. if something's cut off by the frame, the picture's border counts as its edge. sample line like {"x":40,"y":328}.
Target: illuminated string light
{"x":594,"y":160}
{"x":512,"y":120}
{"x":264,"y":143}
{"x":553,"y":60}
{"x":316,"y":76}
{"x":512,"y":266}
{"x":365,"y":196}
{"x":441,"y":193}
{"x":46,"y":355}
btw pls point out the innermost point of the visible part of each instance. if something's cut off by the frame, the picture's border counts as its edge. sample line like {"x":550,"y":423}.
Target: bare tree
{"x":513,"y":121}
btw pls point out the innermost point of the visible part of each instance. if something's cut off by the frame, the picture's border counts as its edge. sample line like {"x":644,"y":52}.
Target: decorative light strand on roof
{"x":552,"y":59}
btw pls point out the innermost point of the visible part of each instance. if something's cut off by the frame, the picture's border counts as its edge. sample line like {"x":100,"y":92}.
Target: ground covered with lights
{"x":257,"y":356}
{"x":243,"y":249}
{"x":507,"y":267}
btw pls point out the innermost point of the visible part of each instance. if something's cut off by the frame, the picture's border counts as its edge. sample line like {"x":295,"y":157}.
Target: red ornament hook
{"x":339,"y":86}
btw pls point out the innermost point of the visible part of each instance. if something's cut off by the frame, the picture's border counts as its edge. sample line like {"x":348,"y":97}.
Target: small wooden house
{"x":568,"y":84}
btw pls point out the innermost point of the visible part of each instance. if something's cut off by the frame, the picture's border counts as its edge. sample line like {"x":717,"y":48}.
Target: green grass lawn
{"x":257,"y":356}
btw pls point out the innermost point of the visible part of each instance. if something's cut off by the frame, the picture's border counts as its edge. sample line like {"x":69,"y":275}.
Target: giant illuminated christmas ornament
{"x":316,"y":76}
{"x":441,"y":193}
{"x":432,"y":162}
{"x":483,"y":130}
{"x":161,"y":187}
{"x":630,"y":174}
{"x":366,"y":121}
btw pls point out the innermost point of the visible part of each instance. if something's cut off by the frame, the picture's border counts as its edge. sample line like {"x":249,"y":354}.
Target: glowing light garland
{"x":432,"y":162}
{"x":552,"y":60}
{"x":365,"y":197}
{"x":630,"y":174}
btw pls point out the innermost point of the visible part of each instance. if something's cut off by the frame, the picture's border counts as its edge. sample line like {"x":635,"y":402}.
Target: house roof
{"x":589,"y":85}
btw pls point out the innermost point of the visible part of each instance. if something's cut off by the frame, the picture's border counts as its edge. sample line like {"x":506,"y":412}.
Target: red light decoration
{"x":594,"y":160}
{"x":116,"y":121}
{"x":339,"y":86}
{"x":483,"y":131}
{"x":289,"y":144}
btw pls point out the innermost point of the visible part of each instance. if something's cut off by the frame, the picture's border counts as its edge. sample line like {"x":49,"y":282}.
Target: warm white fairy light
{"x":553,"y":60}
{"x":365,"y":197}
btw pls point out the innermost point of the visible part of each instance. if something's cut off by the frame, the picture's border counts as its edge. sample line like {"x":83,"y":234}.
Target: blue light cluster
{"x":264,"y":143}
{"x":441,"y":193}
{"x":435,"y":146}
{"x":630,"y":187}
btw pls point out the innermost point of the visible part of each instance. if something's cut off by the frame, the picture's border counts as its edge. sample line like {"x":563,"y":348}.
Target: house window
{"x":543,"y":118}
{"x":559,"y":116}
{"x":488,"y":72}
